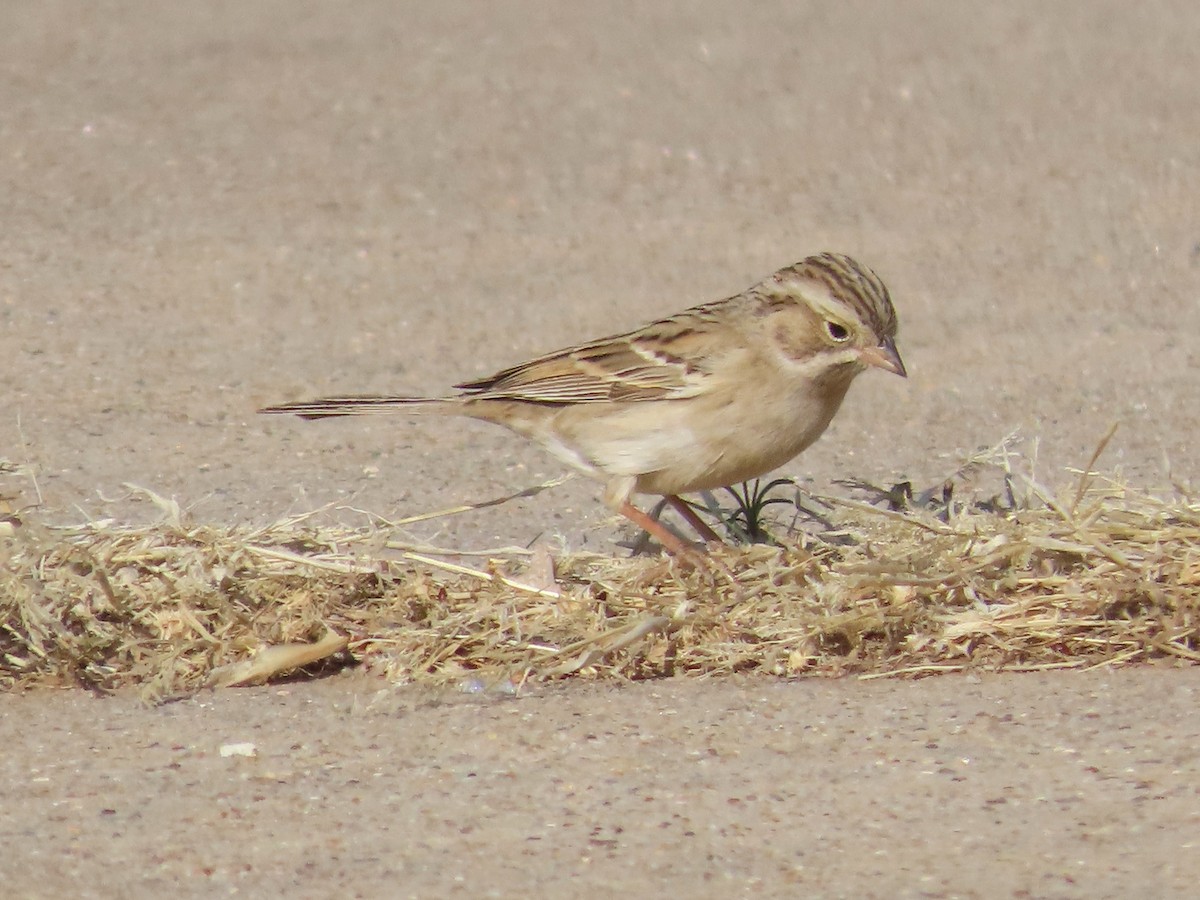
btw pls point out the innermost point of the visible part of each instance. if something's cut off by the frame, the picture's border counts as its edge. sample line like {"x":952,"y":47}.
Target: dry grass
{"x":1101,"y":575}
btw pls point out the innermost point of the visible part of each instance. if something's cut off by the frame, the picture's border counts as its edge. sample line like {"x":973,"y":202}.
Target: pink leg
{"x":701,"y":527}
{"x":671,"y":544}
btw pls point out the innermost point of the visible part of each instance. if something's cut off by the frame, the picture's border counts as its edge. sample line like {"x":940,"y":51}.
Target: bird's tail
{"x":358,"y":406}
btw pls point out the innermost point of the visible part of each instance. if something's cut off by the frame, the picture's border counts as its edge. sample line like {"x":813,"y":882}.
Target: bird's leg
{"x":698,"y":525}
{"x":670,"y":542}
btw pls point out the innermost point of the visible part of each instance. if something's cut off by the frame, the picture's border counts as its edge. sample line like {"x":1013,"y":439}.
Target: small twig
{"x":479,"y":573}
{"x":29,"y":469}
{"x":1043,"y":494}
{"x":911,"y":670}
{"x":341,"y":567}
{"x":445,"y":551}
{"x":588,"y":654}
{"x":1085,"y":479}
{"x":470,"y":507}
{"x":939,"y":528}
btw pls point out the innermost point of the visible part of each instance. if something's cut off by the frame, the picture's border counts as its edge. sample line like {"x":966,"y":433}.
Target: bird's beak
{"x":885,"y":356}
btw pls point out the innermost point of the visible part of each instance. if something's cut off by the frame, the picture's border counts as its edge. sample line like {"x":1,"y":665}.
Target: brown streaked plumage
{"x":711,"y":396}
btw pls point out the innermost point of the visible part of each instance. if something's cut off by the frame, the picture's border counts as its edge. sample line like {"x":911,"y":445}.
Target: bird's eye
{"x":837,"y":331}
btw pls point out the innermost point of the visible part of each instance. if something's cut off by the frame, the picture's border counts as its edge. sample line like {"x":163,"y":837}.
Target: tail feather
{"x":327,"y":407}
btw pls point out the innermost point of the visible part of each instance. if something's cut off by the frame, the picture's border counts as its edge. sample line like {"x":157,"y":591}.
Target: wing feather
{"x":663,"y":361}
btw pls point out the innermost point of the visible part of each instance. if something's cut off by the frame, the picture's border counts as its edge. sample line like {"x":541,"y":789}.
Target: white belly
{"x":677,"y":446}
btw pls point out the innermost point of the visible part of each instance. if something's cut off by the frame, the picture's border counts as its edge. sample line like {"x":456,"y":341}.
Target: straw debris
{"x":892,"y":584}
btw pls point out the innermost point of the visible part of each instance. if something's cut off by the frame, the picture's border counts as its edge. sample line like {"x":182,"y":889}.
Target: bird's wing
{"x":665,"y":360}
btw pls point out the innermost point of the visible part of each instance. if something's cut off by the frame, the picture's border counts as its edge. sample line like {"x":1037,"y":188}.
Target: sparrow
{"x":709,"y":397}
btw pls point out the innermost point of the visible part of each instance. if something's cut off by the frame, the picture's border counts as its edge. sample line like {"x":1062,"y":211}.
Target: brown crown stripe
{"x":857,"y":285}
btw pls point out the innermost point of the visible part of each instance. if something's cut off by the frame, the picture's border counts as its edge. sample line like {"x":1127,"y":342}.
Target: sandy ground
{"x":209,"y":207}
{"x":1057,"y":785}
